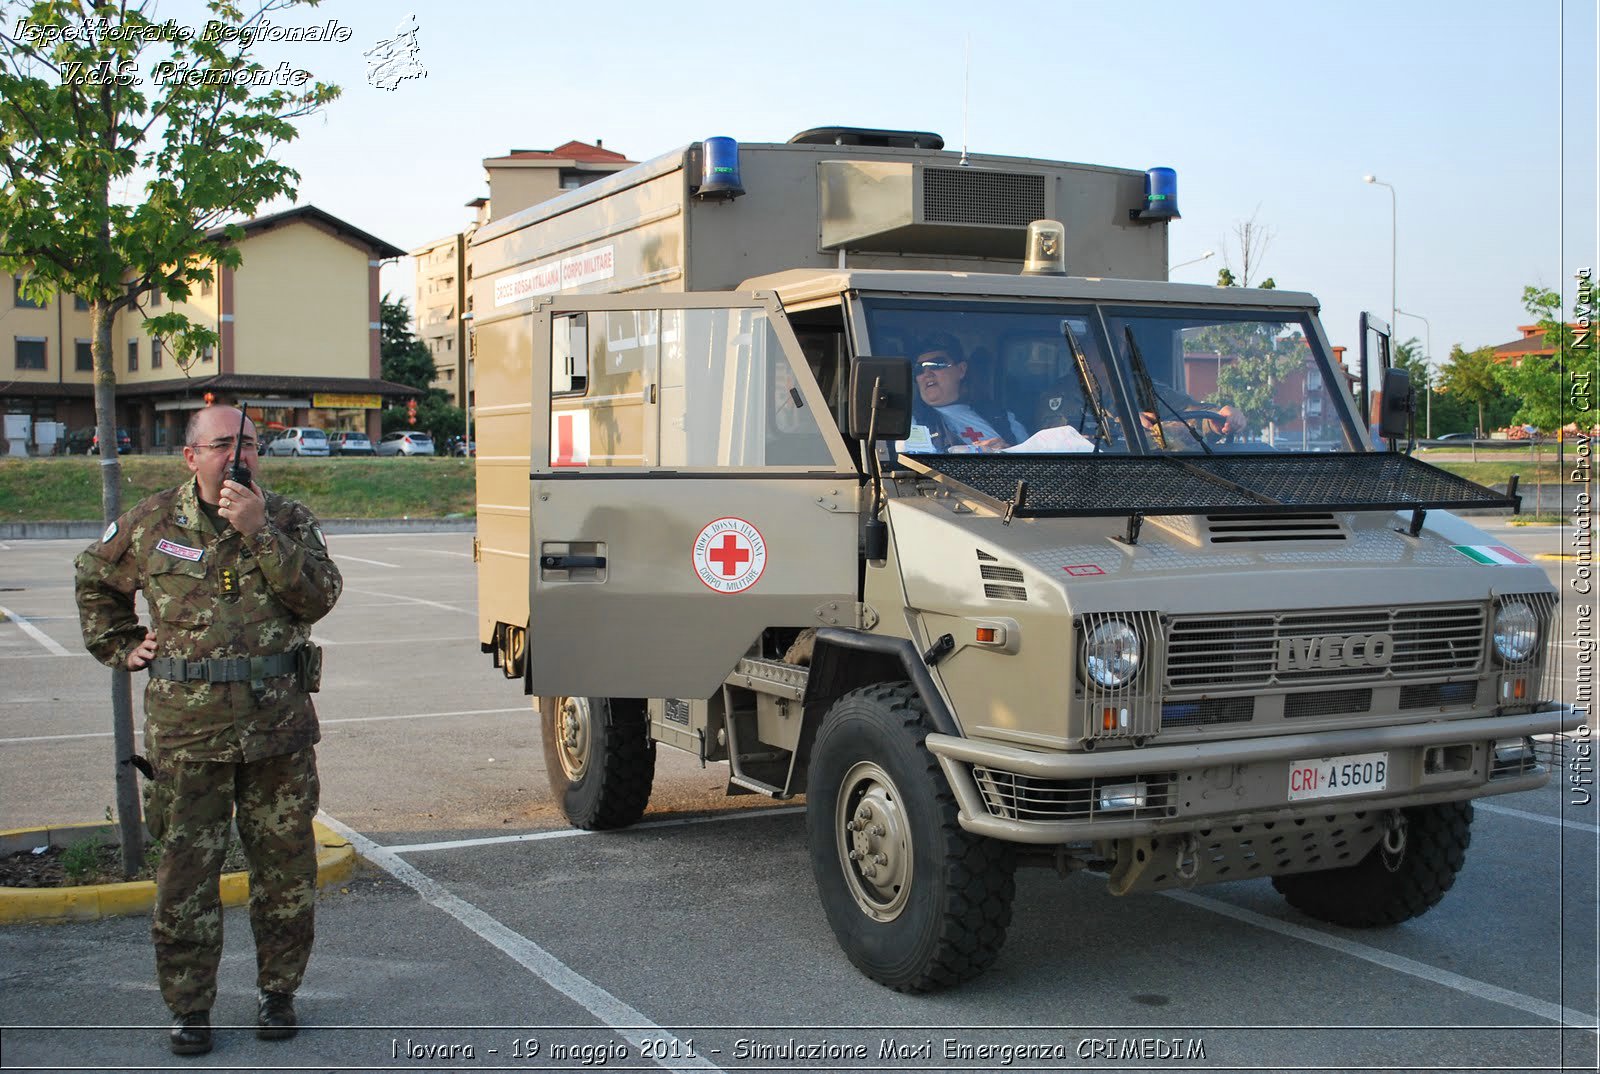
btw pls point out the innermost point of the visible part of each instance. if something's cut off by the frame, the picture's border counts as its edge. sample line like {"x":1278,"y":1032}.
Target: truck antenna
{"x":966,"y":94}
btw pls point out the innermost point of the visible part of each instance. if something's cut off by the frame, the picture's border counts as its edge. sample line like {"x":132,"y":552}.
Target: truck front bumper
{"x":1029,"y":796}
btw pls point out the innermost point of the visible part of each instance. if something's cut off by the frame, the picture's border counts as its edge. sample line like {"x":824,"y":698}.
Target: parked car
{"x":299,"y":440}
{"x":461,"y":447}
{"x":1457,"y":436}
{"x":406,"y":443}
{"x":86,"y":441}
{"x":346,"y":443}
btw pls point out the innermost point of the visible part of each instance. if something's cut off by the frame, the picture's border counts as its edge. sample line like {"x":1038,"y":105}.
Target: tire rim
{"x":874,"y":841}
{"x":572,"y":736}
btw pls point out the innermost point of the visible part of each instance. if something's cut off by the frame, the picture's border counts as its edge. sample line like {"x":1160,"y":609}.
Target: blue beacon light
{"x":719,"y":169}
{"x":1160,"y":196}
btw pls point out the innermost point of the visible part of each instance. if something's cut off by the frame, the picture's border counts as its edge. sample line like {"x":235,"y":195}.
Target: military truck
{"x":1154,"y":590}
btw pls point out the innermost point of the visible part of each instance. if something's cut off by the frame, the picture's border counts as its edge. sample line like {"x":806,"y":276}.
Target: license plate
{"x":1334,"y":777}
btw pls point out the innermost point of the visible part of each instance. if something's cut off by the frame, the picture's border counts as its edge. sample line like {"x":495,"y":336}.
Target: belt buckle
{"x":180,"y":668}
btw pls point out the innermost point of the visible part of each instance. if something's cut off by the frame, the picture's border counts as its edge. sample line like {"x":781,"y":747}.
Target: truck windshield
{"x":1036,"y":377}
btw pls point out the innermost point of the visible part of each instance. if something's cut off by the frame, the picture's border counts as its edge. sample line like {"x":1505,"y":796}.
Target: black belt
{"x":224,"y":669}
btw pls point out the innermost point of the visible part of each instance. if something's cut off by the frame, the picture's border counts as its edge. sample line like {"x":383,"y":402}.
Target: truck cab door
{"x":690,"y":489}
{"x":1375,"y":358}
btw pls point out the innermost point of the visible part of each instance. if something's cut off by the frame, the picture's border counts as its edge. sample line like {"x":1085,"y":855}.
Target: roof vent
{"x":1253,"y":529}
{"x":868,"y":136}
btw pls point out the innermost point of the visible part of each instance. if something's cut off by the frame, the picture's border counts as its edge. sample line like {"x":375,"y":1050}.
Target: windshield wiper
{"x":1090,"y":388}
{"x":1152,"y":399}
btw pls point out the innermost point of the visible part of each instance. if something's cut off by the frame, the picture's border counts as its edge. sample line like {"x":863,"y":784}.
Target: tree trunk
{"x":130,"y":820}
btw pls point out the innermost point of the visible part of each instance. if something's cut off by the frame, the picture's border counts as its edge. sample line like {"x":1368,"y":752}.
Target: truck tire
{"x":600,"y":758}
{"x":1382,"y":889}
{"x":924,"y":905}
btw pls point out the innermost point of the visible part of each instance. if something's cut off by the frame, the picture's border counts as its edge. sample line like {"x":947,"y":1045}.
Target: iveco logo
{"x":1331,"y":652}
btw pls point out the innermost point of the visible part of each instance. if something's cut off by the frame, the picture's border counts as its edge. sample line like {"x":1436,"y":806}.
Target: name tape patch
{"x":182,"y":551}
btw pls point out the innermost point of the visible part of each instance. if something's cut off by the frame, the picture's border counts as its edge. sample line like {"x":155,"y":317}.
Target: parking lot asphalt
{"x":482,"y":933}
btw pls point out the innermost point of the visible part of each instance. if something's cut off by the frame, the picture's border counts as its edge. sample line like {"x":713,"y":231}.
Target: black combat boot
{"x":275,"y":1017}
{"x":191,"y":1033}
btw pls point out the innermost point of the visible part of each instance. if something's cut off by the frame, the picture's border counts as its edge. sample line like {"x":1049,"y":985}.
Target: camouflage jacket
{"x":211,"y":594}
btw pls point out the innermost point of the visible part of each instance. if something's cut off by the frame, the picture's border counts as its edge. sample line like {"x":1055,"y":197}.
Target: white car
{"x":300,"y":440}
{"x":406,"y":443}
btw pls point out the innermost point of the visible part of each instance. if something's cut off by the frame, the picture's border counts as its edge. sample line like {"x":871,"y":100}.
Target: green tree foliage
{"x":1409,"y":356}
{"x":90,"y":110}
{"x":1469,"y":376}
{"x":404,"y":358}
{"x":1536,"y":382}
{"x":1258,"y":356}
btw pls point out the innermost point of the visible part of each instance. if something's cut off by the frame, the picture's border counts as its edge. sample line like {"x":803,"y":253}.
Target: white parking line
{"x":409,"y":600}
{"x":357,"y":559}
{"x":627,"y":1022}
{"x":1538,"y":818}
{"x":430,"y":639}
{"x":1390,"y":961}
{"x":435,"y":551}
{"x":567,"y":833}
{"x":34,"y":632}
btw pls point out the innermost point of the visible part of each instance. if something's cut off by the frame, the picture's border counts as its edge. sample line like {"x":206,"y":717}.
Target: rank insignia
{"x":230,"y":582}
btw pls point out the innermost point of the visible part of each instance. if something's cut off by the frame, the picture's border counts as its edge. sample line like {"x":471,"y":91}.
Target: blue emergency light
{"x":719,"y":169}
{"x":1160,"y":196}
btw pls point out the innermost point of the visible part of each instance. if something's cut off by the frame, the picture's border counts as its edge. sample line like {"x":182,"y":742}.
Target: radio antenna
{"x":966,"y":94}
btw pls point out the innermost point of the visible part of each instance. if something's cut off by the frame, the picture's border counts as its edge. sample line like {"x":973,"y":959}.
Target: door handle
{"x":567,"y":563}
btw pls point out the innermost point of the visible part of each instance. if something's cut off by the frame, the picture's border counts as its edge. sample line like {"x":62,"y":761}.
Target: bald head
{"x":209,"y":444}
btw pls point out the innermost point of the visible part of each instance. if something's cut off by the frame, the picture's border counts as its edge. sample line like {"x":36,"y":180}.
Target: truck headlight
{"x":1111,"y":654}
{"x":1516,"y":631}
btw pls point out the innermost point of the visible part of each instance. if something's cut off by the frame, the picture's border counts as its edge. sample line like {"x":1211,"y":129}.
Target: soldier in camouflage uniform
{"x":233,"y":578}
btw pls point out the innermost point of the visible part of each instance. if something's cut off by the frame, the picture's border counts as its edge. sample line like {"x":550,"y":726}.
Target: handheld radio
{"x":239,"y":471}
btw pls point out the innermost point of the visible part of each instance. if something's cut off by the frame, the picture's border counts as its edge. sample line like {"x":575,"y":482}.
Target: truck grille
{"x":1236,"y":652}
{"x":971,"y":196}
{"x":1016,"y":797}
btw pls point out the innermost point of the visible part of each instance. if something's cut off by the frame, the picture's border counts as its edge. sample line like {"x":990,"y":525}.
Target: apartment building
{"x":298,"y":326}
{"x":521,"y":178}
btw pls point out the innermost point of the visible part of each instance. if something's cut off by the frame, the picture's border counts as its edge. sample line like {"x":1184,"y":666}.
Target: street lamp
{"x":1192,"y":261}
{"x":1427,"y":359}
{"x":1394,"y":222}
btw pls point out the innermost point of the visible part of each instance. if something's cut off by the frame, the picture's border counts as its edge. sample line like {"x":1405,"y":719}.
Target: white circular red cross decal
{"x":729,"y":555}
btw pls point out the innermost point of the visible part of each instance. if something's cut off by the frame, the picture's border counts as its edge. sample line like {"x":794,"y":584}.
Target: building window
{"x":206,"y":353}
{"x":133,"y":355}
{"x":30,"y":353}
{"x":22,"y":303}
{"x":155,"y":354}
{"x":155,"y":298}
{"x":80,"y":303}
{"x":205,"y":287}
{"x":84,"y":362}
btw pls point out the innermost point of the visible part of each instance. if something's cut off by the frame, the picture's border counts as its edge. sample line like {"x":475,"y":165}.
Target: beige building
{"x":298,"y":327}
{"x":521,"y":178}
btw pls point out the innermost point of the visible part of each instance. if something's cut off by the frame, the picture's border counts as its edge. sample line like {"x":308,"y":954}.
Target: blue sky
{"x":1269,"y":109}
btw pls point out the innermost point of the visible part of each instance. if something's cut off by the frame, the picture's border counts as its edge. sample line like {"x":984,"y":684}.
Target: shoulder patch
{"x":111,"y":531}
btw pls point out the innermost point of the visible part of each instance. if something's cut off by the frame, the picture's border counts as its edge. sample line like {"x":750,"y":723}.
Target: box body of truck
{"x":1186,"y":625}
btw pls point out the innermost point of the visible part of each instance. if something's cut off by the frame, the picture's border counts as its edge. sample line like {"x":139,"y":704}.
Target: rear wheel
{"x":917,"y":903}
{"x":599,"y":757}
{"x":1403,"y":877}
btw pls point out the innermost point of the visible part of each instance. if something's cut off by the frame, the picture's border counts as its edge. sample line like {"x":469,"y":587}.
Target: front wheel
{"x":917,"y":903}
{"x":1404,"y":876}
{"x":599,"y":757}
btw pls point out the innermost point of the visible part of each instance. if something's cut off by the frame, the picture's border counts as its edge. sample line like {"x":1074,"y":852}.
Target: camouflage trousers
{"x":274,"y":800}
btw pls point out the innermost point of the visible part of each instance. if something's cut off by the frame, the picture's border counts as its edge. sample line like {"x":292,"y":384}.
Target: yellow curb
{"x":336,"y":863}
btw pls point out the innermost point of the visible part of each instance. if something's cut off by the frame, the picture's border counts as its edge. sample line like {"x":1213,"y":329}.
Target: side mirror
{"x":1399,"y":404}
{"x":892,"y":379}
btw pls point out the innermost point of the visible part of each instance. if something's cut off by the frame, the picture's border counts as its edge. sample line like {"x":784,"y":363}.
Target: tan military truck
{"x":905,"y":481}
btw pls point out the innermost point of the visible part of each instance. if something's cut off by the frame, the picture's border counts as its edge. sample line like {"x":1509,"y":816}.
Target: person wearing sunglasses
{"x":949,"y":416}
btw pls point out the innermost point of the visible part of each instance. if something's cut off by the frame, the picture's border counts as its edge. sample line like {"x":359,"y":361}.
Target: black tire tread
{"x":977,"y":913}
{"x":1367,"y":895}
{"x":623,"y":759}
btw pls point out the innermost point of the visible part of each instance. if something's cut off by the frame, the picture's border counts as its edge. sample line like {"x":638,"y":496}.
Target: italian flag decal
{"x":1492,"y":554}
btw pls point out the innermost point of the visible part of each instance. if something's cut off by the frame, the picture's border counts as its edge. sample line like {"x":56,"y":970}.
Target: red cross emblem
{"x":729,"y":555}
